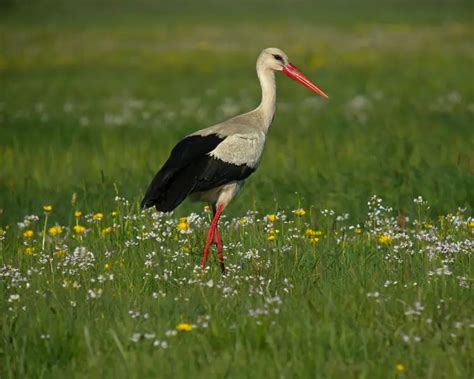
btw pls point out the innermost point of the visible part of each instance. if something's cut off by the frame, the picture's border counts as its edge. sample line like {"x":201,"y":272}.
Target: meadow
{"x":349,"y":251}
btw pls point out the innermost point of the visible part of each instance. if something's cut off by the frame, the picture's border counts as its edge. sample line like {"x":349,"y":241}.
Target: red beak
{"x":297,"y":75}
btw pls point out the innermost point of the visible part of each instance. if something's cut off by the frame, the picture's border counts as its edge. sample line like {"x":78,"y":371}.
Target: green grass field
{"x":94,"y":95}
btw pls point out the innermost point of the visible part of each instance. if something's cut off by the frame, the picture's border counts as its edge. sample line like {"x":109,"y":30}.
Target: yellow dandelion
{"x":28,"y":233}
{"x":114,"y":213}
{"x":271,"y":218}
{"x":107,"y":266}
{"x":47,"y":208}
{"x":29,"y":250}
{"x":314,"y":240}
{"x":55,"y":230}
{"x":243,"y":221}
{"x":79,"y":229}
{"x":312,"y":233}
{"x":400,"y":368}
{"x":207,"y":209}
{"x":385,"y":239}
{"x":471,"y":224}
{"x":271,"y":237}
{"x":184,"y":327}
{"x":106,"y":231}
{"x":77,"y":214}
{"x":300,"y":212}
{"x":182,"y":226}
{"x":98,"y":216}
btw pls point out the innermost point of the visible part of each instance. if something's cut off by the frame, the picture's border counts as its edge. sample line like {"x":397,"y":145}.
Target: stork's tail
{"x":168,"y":190}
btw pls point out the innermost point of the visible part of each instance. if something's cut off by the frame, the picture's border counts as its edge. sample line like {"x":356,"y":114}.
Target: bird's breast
{"x":240,"y":149}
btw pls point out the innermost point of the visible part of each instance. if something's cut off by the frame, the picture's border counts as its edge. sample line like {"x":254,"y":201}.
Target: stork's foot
{"x":213,"y":236}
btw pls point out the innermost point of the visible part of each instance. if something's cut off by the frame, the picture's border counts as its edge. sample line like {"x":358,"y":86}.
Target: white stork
{"x":212,"y":164}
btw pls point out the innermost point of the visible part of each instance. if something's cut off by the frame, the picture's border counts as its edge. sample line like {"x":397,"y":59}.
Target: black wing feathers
{"x":217,"y":173}
{"x":191,"y":169}
{"x":167,"y":188}
{"x":185,"y":152}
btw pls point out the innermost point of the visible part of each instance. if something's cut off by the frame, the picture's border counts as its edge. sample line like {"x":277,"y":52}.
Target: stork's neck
{"x":266,"y":109}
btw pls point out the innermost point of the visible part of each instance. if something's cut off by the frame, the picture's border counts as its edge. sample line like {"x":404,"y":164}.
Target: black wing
{"x":191,"y":169}
{"x":168,"y":189}
{"x":215,"y":172}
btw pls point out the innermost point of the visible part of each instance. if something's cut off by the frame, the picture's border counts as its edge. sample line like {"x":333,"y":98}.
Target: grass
{"x":93,"y":97}
{"x":336,"y":301}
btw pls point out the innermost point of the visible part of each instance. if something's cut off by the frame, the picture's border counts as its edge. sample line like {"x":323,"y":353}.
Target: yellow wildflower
{"x":55,"y":230}
{"x":79,"y":229}
{"x":243,"y":221}
{"x":29,"y":250}
{"x":358,"y":230}
{"x":28,"y":233}
{"x":184,"y":327}
{"x":77,"y":214}
{"x":106,"y":231}
{"x":106,"y":266}
{"x":207,"y":209}
{"x":314,"y":240}
{"x":98,"y":216}
{"x":271,"y":237}
{"x":271,"y":218}
{"x":47,"y":208}
{"x":385,"y":239}
{"x":400,"y":368}
{"x":115,"y":213}
{"x":182,"y":226}
{"x":312,"y":233}
{"x":471,"y":224}
{"x":300,"y":212}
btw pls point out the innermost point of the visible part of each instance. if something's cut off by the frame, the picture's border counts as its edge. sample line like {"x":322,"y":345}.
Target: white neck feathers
{"x":266,"y":109}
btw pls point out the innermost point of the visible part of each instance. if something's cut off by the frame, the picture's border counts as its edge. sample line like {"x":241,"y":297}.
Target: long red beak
{"x":295,"y":74}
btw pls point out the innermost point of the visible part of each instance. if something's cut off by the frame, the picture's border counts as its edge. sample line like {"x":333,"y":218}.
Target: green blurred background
{"x":94,"y":94}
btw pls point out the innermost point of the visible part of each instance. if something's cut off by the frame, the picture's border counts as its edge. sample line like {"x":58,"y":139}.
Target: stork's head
{"x":276,"y":60}
{"x":273,"y":58}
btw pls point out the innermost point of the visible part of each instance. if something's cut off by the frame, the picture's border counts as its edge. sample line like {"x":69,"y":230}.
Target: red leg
{"x":210,"y":235}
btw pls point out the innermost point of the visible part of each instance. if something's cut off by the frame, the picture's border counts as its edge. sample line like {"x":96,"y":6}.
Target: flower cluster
{"x":88,"y":256}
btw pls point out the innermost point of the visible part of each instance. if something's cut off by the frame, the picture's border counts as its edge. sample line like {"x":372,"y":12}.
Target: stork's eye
{"x":278,"y":57}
